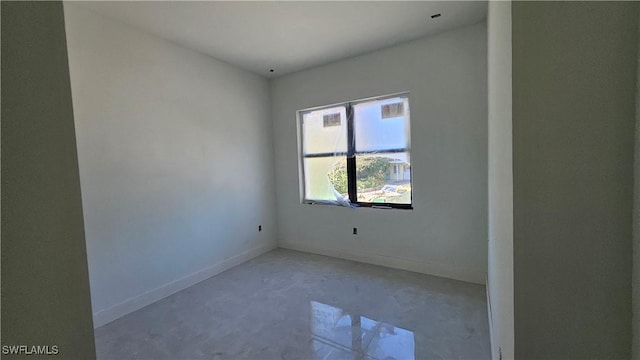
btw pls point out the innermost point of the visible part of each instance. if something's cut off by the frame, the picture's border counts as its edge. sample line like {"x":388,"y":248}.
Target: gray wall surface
{"x":500,"y":170}
{"x":45,"y":285}
{"x":176,"y":162}
{"x":446,"y":232}
{"x":574,"y":75}
{"x":636,"y":221}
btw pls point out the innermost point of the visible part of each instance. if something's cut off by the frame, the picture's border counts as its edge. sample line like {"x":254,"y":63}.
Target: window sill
{"x":362,"y":205}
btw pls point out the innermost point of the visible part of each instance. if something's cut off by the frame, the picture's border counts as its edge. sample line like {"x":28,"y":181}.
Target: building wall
{"x":446,"y":232}
{"x":500,"y":269}
{"x":636,"y":221}
{"x":176,"y":162}
{"x":574,"y":94}
{"x":45,"y":284}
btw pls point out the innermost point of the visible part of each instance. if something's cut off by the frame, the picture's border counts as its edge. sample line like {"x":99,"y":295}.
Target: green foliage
{"x":338,"y":176}
{"x":371,"y":171}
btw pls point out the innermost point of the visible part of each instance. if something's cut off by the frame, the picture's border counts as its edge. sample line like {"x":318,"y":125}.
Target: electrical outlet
{"x":259,"y":227}
{"x":355,"y":231}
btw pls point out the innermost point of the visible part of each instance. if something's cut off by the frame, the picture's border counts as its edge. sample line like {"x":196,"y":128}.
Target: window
{"x":357,"y":153}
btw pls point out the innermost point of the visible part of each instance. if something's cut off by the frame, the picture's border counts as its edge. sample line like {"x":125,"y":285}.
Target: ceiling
{"x":289,"y":36}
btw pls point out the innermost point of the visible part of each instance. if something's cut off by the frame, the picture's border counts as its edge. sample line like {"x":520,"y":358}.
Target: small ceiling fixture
{"x":271,"y":70}
{"x":436,"y":15}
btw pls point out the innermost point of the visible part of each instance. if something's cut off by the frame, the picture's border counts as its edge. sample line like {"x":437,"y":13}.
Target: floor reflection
{"x":341,"y":335}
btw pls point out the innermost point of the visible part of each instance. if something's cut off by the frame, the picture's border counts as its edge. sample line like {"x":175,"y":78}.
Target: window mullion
{"x":351,"y":156}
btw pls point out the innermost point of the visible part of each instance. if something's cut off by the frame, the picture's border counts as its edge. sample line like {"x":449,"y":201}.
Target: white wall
{"x":446,"y":232}
{"x":500,"y":267}
{"x":176,"y":162}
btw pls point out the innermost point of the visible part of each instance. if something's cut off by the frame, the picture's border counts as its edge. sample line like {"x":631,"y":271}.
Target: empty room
{"x":320,"y":180}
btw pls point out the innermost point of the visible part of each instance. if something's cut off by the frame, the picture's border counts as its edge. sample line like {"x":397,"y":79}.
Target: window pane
{"x":321,"y":173}
{"x":324,"y":131}
{"x":382,"y":124}
{"x":384,"y":178}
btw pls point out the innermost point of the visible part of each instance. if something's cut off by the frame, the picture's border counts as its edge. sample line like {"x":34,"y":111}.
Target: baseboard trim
{"x":130,"y":305}
{"x":490,"y":315}
{"x":423,"y":267}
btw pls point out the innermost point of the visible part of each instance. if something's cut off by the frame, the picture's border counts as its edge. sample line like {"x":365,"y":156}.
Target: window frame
{"x":351,"y":154}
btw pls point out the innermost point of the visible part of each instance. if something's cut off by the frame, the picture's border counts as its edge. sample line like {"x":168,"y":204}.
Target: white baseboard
{"x":424,"y":267}
{"x":490,"y":315}
{"x":130,"y":305}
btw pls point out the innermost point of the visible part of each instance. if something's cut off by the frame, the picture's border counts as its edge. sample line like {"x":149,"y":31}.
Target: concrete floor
{"x":292,"y":305}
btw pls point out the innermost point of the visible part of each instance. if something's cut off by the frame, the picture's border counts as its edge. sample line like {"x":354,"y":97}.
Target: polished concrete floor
{"x":292,"y":305}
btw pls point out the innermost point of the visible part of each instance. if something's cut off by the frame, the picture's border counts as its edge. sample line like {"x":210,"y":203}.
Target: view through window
{"x":358,"y":153}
